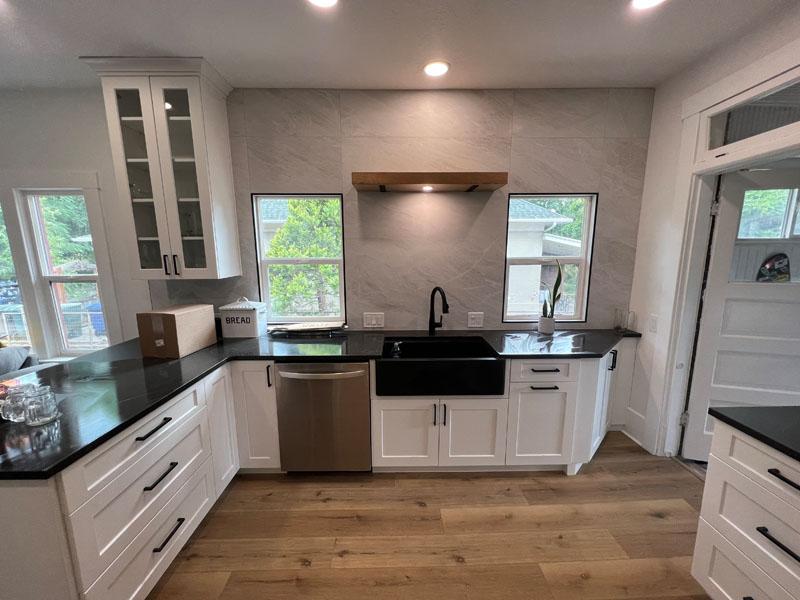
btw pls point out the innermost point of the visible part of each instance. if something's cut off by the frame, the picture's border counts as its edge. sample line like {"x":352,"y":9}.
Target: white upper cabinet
{"x":168,"y":127}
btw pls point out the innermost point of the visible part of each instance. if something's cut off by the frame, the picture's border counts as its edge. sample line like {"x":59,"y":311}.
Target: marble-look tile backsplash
{"x":398,"y":246}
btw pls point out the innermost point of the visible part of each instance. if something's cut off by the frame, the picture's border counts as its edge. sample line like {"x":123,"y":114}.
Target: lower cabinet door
{"x":256,"y":414}
{"x":222,"y":425}
{"x":473,"y":431}
{"x":541,"y":421}
{"x":405,"y":432}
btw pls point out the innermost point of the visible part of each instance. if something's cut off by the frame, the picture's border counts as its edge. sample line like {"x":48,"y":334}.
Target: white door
{"x":541,"y":419}
{"x":405,"y":432}
{"x":748,"y":345}
{"x":256,"y":414}
{"x":180,"y":131}
{"x":134,"y":149}
{"x":473,"y":431}
{"x":222,"y":423}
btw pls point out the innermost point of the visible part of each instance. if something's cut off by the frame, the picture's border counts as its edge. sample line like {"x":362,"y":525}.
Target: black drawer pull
{"x":613,"y":361}
{"x":778,"y":475}
{"x":169,"y":537}
{"x":154,"y":485}
{"x":535,"y":370}
{"x":142,"y":438}
{"x":765,"y":532}
{"x":544,"y":387}
{"x":747,"y":598}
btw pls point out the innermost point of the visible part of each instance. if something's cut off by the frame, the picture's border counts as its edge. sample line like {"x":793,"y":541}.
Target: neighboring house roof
{"x":525,"y":210}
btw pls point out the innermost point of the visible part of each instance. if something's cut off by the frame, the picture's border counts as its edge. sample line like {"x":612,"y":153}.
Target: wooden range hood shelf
{"x":450,"y":181}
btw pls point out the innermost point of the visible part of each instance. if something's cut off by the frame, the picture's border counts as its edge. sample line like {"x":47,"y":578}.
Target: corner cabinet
{"x":168,"y":127}
{"x":256,"y":409}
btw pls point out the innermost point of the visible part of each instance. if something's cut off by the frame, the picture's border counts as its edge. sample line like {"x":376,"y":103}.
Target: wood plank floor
{"x":623,"y":528}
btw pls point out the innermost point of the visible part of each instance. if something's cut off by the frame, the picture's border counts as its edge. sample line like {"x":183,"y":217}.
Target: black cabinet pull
{"x":142,"y":438}
{"x":747,"y":598}
{"x":434,"y":413}
{"x":166,"y":265}
{"x":544,"y":387}
{"x":175,"y":263}
{"x":535,"y":370}
{"x":154,"y":485}
{"x":444,"y":414}
{"x":169,"y":537}
{"x":765,"y":532}
{"x":778,"y":475}
{"x":613,"y":360}
{"x":269,"y":376}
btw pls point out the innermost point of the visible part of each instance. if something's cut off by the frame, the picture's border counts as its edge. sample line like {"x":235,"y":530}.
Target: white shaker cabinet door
{"x":222,"y":424}
{"x":541,"y":422}
{"x":256,"y":414}
{"x":473,"y":431}
{"x":405,"y":432}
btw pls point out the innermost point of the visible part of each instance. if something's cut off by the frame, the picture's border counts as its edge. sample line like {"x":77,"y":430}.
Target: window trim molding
{"x":588,"y":241}
{"x":14,"y":187}
{"x":261,"y":263}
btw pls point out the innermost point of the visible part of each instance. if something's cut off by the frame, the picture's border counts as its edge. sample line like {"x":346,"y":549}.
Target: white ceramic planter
{"x":547,"y":325}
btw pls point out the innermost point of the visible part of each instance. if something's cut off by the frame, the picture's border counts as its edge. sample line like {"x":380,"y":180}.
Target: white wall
{"x":661,"y":225}
{"x":65,"y":130}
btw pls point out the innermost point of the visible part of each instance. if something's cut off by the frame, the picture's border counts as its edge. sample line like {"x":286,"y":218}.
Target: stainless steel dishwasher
{"x":324,"y":416}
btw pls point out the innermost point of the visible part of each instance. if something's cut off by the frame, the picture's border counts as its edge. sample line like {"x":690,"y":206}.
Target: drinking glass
{"x":41,"y":406}
{"x":13,"y":408}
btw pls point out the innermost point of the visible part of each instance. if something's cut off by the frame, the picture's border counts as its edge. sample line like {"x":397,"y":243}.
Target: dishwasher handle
{"x":319,"y":376}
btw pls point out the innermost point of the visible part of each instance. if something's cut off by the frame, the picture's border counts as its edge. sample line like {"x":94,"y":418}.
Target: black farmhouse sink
{"x":439,"y":366}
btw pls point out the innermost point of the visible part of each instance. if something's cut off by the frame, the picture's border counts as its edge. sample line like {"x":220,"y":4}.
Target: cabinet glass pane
{"x":139,"y":180}
{"x":150,"y":254}
{"x":180,"y":137}
{"x":194,"y":253}
{"x":128,"y":103}
{"x":144,"y":219}
{"x":176,"y":102}
{"x":185,"y":179}
{"x":133,"y":142}
{"x":190,"y":218}
{"x":760,"y":115}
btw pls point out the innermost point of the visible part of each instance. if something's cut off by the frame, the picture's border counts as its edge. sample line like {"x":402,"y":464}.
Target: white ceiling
{"x":375,"y":43}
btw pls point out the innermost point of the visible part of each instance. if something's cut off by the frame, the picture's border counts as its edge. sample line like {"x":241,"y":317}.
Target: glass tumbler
{"x":41,"y":406}
{"x":13,"y":408}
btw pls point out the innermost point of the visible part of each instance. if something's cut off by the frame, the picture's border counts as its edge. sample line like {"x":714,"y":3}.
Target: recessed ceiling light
{"x":323,"y":3}
{"x":645,"y":4}
{"x":437,"y":68}
{"x":427,"y":188}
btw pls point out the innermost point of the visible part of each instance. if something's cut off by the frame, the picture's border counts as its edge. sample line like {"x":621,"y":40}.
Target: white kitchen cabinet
{"x":256,"y":414}
{"x":541,"y":419}
{"x":405,"y":432}
{"x":222,"y":426}
{"x":168,"y":126}
{"x":605,"y":386}
{"x":473,"y":431}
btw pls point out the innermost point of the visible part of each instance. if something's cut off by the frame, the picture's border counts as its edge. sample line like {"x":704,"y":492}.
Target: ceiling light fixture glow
{"x":437,"y":68}
{"x":427,"y":188}
{"x":645,"y":4}
{"x":324,"y":3}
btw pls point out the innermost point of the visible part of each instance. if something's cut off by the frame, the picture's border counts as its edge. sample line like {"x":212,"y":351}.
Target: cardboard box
{"x":176,"y":331}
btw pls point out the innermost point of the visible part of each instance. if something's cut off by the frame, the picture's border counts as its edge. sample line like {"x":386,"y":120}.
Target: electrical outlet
{"x":475,"y":319}
{"x":373,"y":319}
{"x":652,"y":323}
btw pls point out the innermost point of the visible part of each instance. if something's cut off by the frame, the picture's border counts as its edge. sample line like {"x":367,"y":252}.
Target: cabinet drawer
{"x":761,"y":525}
{"x":775,"y":471}
{"x":101,"y":528}
{"x":134,"y":573}
{"x":544,"y":370}
{"x":724,"y":572}
{"x":98,"y":468}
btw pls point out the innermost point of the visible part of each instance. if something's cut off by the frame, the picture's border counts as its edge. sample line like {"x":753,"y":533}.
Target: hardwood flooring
{"x":623,"y":528}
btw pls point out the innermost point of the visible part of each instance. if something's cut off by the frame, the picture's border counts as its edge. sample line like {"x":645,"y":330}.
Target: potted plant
{"x":547,"y":322}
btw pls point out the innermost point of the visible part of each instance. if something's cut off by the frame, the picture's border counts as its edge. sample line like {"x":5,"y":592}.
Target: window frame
{"x":264,"y":263}
{"x":584,"y":261}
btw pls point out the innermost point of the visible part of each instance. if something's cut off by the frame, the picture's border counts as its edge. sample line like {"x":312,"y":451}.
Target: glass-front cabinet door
{"x":136,"y":162}
{"x":181,"y":141}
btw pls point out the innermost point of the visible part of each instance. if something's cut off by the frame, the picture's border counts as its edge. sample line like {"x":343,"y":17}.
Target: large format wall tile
{"x":296,"y":113}
{"x":453,"y":114}
{"x":566,"y":113}
{"x":629,"y":112}
{"x":556,"y":165}
{"x":294,"y":164}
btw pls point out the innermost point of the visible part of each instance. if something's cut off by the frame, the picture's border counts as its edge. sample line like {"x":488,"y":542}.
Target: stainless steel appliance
{"x":324,"y":416}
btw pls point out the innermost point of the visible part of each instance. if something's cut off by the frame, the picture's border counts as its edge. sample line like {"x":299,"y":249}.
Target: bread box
{"x":243,"y":318}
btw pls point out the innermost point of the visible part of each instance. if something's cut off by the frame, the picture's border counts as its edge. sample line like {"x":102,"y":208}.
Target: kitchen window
{"x":543,"y":229}
{"x":301,"y":258}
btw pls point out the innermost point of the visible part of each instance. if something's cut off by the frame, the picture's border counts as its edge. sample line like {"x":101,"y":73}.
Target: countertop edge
{"x":755,"y":434}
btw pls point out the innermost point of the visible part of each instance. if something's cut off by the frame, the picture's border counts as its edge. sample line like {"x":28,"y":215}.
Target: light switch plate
{"x":652,"y":323}
{"x":373,"y":319}
{"x":475,"y":319}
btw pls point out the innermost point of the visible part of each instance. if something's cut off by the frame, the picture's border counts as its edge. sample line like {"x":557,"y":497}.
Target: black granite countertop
{"x":102,"y":393}
{"x":776,"y":426}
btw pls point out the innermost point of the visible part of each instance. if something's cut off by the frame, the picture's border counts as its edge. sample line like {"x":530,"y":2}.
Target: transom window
{"x":543,"y":229}
{"x":301,"y":259}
